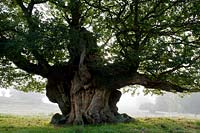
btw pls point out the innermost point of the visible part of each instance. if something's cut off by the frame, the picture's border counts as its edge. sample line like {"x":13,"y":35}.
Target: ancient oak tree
{"x":86,"y":50}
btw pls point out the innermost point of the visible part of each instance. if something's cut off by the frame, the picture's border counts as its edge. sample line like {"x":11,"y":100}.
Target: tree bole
{"x":85,"y":103}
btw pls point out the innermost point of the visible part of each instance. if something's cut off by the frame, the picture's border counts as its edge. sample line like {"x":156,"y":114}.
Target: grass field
{"x":40,"y":124}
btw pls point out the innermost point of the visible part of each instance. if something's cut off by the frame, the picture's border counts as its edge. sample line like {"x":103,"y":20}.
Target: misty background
{"x":138,"y":105}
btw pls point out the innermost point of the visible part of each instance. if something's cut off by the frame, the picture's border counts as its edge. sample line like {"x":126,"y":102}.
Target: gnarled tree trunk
{"x":81,"y":101}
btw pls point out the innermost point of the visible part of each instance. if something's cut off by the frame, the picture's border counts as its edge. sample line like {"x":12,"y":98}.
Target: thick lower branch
{"x":25,"y":65}
{"x":141,"y":79}
{"x":159,"y":84}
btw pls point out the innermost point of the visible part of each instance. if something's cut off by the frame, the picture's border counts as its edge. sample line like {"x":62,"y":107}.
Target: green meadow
{"x":40,"y":124}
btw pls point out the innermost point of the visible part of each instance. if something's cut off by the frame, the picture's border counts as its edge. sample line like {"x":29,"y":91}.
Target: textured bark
{"x":56,"y":94}
{"x":84,"y":103}
{"x":89,"y":106}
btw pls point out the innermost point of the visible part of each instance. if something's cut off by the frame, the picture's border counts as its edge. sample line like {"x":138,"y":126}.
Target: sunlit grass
{"x":32,"y":124}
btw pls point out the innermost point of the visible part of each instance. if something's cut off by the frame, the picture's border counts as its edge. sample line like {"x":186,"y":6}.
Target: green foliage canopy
{"x":159,"y":38}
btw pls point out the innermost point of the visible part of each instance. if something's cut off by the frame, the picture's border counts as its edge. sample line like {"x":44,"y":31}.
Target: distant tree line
{"x":174,"y":103}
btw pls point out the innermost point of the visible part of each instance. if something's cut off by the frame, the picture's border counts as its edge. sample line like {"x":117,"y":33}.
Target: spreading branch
{"x":24,"y":64}
{"x":20,"y":61}
{"x":42,"y":63}
{"x":28,"y":10}
{"x":141,"y":79}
